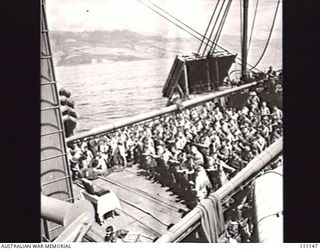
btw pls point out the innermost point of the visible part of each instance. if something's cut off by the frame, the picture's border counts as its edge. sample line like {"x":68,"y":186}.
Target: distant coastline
{"x":75,"y":48}
{"x":80,"y":48}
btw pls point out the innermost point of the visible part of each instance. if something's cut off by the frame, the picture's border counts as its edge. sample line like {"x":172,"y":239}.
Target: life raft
{"x":69,"y":115}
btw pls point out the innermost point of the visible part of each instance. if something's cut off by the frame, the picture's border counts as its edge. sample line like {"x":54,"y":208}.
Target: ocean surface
{"x":108,"y":91}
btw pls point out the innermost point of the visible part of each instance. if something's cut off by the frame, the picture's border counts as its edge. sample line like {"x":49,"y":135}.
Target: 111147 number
{"x":309,"y":245}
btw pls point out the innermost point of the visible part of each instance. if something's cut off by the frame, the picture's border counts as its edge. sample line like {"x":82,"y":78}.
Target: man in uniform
{"x":225,"y":151}
{"x":264,"y":109}
{"x":197,"y":156}
{"x":148,"y":162}
{"x":100,"y":165}
{"x":271,"y":73}
{"x":202,"y":183}
{"x":86,"y":157}
{"x":253,"y":99}
{"x":276,"y":113}
{"x":236,"y":162}
{"x":162,"y":158}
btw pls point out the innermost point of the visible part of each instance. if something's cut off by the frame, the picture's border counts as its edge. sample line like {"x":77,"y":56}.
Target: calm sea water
{"x":106,"y":92}
{"x":109,"y":91}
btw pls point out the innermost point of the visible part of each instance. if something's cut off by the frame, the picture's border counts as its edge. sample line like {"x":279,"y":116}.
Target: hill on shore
{"x":72,"y":48}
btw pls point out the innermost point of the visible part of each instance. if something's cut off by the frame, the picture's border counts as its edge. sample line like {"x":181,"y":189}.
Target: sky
{"x":108,"y":15}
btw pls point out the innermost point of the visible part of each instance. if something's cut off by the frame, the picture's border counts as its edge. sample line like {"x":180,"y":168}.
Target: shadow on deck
{"x":148,"y":208}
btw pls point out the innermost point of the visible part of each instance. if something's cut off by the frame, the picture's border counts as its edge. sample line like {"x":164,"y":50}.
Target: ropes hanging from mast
{"x":269,"y":37}
{"x":218,"y":34}
{"x":253,"y":23}
{"x":176,"y":24}
{"x":185,"y":27}
{"x":205,"y":34}
{"x":214,"y":26}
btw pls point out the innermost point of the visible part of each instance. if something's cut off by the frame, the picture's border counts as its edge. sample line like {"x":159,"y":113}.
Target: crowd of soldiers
{"x":193,"y":152}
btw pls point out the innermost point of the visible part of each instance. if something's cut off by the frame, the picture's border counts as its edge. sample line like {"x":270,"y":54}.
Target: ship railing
{"x":80,"y":214}
{"x":193,"y":219}
{"x":99,"y":131}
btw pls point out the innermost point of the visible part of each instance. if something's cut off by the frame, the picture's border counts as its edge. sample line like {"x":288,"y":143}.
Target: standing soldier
{"x":264,"y":109}
{"x":271,"y":74}
{"x":202,"y":183}
{"x":277,"y":113}
{"x":122,"y":152}
{"x":162,"y":158}
{"x":148,"y":162}
{"x":253,"y":99}
{"x":212,"y":170}
{"x":197,"y":156}
{"x":225,"y":151}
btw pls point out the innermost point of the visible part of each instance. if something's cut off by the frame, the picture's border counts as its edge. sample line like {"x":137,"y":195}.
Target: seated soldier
{"x":99,"y":165}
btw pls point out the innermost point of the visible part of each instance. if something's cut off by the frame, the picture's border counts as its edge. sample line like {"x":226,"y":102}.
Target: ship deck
{"x":147,"y":207}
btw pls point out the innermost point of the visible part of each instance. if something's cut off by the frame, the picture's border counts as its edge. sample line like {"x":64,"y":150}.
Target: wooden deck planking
{"x":147,"y":207}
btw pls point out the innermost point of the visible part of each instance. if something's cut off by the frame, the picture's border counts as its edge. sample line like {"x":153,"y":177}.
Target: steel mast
{"x":244,"y":40}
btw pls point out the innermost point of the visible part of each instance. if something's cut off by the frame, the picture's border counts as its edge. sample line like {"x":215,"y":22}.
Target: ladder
{"x":56,"y":178}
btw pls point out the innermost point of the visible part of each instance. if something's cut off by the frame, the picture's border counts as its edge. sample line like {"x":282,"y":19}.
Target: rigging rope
{"x":205,"y":34}
{"x":213,"y":28}
{"x":218,"y":34}
{"x":253,"y":23}
{"x":190,"y":33}
{"x":269,"y":38}
{"x":222,"y":24}
{"x":219,"y":27}
{"x":175,"y":23}
{"x":176,"y":19}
